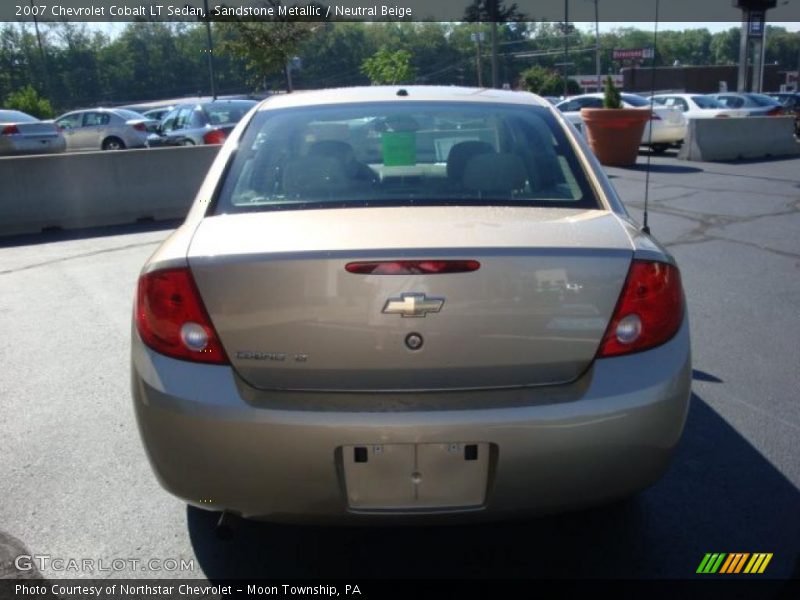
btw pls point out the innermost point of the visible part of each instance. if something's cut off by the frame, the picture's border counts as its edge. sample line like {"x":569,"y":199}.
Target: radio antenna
{"x":645,"y":226}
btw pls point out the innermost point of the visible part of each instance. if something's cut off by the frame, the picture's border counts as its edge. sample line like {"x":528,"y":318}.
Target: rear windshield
{"x":129,"y":114}
{"x":762,"y":100}
{"x":15,"y":116}
{"x":220,"y":113}
{"x":635,"y":100}
{"x":706,"y":102}
{"x":430,"y":153}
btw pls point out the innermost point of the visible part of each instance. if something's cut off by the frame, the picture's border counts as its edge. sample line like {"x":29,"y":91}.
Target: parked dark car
{"x":791,"y":104}
{"x":198,"y":123}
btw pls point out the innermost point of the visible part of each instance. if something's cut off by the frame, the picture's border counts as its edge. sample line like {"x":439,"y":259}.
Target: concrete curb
{"x":91,"y":189}
{"x":738,"y":138}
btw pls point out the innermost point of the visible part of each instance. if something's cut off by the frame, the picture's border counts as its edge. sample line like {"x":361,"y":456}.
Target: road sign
{"x":755,"y":23}
{"x":632,"y":53}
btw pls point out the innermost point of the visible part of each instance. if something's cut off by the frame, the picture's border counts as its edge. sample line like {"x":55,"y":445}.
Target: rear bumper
{"x":609,"y":434}
{"x":665,"y":134}
{"x":50,"y":145}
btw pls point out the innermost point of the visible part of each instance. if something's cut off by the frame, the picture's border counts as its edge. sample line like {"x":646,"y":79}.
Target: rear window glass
{"x":706,"y":102}
{"x":635,"y":100}
{"x":129,"y":114}
{"x":403,"y":154}
{"x":15,"y":116}
{"x":227,"y":112}
{"x":762,"y":100}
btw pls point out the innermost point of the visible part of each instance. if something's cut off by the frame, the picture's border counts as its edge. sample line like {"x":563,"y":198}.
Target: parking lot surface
{"x":76,"y":483}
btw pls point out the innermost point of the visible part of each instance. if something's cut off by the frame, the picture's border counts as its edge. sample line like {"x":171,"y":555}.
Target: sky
{"x":672,"y":26}
{"x":113,"y":29}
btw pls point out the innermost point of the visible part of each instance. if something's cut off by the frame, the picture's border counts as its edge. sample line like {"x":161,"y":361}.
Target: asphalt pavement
{"x":76,"y":484}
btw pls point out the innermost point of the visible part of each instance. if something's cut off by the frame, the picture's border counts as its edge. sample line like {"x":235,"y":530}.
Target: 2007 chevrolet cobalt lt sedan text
{"x":391,"y":303}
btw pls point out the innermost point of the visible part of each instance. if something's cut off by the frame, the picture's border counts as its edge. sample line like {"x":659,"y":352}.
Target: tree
{"x":387,"y":67}
{"x":267,"y":46}
{"x":495,"y":12}
{"x":545,"y":82}
{"x":29,"y":101}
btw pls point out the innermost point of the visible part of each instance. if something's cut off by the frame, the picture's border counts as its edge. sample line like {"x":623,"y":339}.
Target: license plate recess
{"x":449,"y":475}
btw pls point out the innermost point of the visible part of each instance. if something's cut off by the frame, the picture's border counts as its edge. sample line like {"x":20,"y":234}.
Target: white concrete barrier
{"x":90,"y":189}
{"x":736,"y":138}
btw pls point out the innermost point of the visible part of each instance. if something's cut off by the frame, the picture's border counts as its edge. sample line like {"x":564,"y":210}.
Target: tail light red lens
{"x":412,"y":267}
{"x":9,"y":130}
{"x":649,"y":311}
{"x":172,"y":320}
{"x":214,"y":137}
{"x":775,"y":112}
{"x":140,"y":127}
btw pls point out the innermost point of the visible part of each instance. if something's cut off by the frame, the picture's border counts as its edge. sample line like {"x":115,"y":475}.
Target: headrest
{"x":459,"y":156}
{"x":499,"y":173}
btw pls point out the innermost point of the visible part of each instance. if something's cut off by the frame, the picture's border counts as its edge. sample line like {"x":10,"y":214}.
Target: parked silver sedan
{"x":104,"y":129}
{"x":20,"y":133}
{"x":749,"y":104}
{"x":394,"y":303}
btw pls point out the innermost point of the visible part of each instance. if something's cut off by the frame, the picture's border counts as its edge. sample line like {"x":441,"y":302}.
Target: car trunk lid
{"x":290,"y":315}
{"x":34,"y":130}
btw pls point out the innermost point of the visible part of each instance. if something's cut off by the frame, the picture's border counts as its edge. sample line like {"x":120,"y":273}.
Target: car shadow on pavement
{"x":720,"y":495}
{"x":62,"y":235}
{"x":660,"y":168}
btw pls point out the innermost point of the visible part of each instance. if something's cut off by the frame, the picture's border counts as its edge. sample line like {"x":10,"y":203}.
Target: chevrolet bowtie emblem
{"x":412,"y":305}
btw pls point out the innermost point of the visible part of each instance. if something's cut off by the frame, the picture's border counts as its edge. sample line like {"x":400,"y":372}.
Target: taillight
{"x":140,"y":127}
{"x":9,"y":130}
{"x":215,"y":136}
{"x":649,"y":311}
{"x":774,"y":112}
{"x":172,"y":320}
{"x":412,"y":267}
{"x":721,"y":116}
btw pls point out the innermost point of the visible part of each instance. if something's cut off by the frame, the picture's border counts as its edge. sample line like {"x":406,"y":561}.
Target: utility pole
{"x":477,"y":37}
{"x":41,"y":51}
{"x":209,"y":51}
{"x":597,"y":45}
{"x":493,"y":31}
{"x":566,"y":46}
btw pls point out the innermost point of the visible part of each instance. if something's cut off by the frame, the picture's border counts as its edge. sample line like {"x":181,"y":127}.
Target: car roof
{"x":392,"y":93}
{"x":220,"y":101}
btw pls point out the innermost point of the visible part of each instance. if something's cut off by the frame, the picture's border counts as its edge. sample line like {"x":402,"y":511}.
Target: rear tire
{"x":187,"y":143}
{"x":113,"y":143}
{"x":659,"y":148}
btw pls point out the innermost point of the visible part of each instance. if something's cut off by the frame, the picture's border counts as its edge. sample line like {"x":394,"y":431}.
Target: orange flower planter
{"x":614,"y":134}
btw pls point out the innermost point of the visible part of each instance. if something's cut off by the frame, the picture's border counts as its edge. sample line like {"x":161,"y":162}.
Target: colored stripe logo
{"x":736,"y":562}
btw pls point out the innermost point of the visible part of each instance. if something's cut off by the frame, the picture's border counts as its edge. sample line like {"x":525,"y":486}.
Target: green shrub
{"x":611,"y":97}
{"x":29,"y":101}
